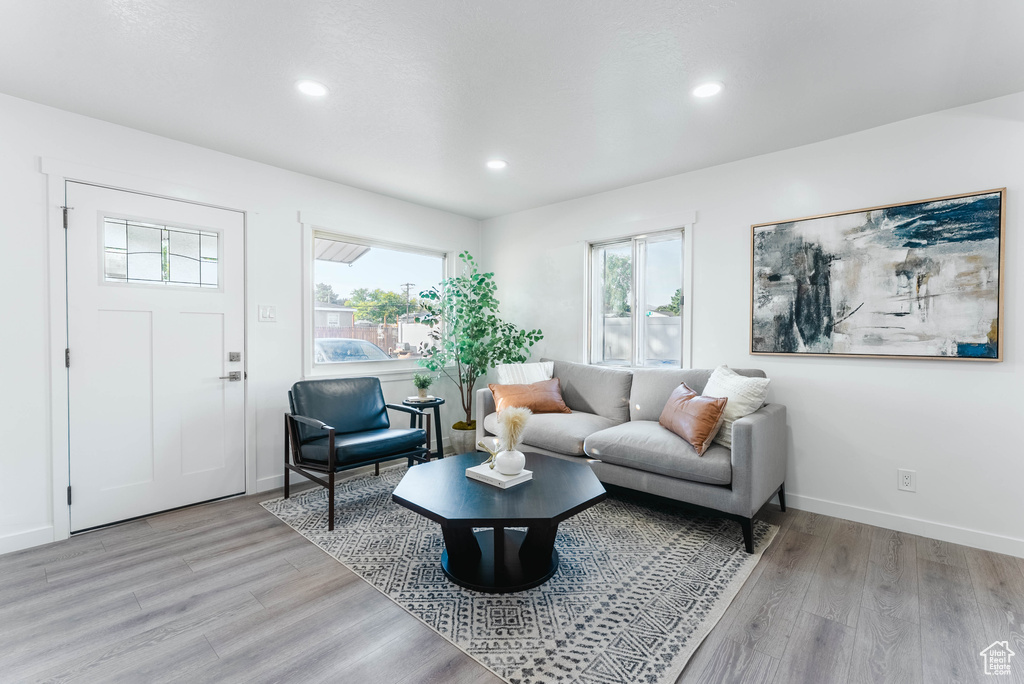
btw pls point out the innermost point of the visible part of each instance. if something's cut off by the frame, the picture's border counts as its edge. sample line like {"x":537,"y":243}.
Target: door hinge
{"x":65,"y":217}
{"x":69,"y":495}
{"x":67,"y":358}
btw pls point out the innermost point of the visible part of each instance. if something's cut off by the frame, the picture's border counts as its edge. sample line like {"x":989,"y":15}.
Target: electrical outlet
{"x":906,"y":480}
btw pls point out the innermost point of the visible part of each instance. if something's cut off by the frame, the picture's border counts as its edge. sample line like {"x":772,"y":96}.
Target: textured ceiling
{"x":579,"y":97}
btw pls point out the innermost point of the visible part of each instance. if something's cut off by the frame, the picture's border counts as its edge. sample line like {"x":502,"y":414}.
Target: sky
{"x":664,"y":271}
{"x":381,"y":268}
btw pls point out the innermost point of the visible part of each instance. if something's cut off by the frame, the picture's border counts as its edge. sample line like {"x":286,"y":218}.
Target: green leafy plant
{"x":469,"y":337}
{"x":618,"y":284}
{"x":674,"y":306}
{"x":421,"y":381}
{"x":379,"y":306}
{"x":325,"y":293}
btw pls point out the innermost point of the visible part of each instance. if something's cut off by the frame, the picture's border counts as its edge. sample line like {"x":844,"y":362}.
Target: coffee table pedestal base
{"x":471,"y":560}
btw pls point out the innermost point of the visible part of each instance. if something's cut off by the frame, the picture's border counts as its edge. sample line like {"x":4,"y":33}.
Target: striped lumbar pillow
{"x":524,"y":373}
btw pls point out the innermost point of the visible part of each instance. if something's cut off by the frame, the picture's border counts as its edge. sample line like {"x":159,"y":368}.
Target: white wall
{"x":853,"y":421}
{"x":273,"y":199}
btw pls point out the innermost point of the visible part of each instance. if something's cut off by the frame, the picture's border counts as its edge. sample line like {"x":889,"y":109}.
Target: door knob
{"x":233,"y":376}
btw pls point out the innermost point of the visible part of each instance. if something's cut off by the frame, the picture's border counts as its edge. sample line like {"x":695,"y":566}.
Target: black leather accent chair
{"x":342,"y":423}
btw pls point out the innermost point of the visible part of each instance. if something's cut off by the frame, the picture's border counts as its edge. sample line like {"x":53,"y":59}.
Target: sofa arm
{"x":760,"y":446}
{"x":484,"y":407}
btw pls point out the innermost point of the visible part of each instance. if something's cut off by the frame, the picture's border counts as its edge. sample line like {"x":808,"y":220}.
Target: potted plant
{"x":422,"y":383}
{"x":469,"y":338}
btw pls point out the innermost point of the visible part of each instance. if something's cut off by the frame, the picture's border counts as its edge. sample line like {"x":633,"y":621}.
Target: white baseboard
{"x":924,"y":528}
{"x":265,"y":484}
{"x":26,"y":539}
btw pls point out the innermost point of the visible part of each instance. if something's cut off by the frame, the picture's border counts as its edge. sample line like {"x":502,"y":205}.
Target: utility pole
{"x":407,"y":286}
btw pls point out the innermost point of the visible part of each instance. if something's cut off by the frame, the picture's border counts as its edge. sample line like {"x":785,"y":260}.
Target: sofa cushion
{"x":540,"y":397}
{"x":523,"y":373}
{"x":561,"y":432}
{"x":646,"y":445}
{"x":597,"y":390}
{"x":651,"y":387}
{"x":693,"y":417}
{"x":745,"y":395}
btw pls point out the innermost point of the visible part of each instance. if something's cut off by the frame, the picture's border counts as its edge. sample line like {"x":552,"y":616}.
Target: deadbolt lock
{"x":234,"y":356}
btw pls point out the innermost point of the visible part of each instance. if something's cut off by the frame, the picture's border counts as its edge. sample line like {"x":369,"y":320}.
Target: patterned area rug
{"x":638,"y":587}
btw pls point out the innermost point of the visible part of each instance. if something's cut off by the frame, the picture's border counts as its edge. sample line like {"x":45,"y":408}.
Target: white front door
{"x":155,"y":318}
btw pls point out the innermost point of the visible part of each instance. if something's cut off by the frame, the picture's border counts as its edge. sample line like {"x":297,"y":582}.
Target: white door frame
{"x":57,"y":173}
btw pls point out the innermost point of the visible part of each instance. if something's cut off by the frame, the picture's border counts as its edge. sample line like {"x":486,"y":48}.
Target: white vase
{"x":510,"y":462}
{"x":422,"y":393}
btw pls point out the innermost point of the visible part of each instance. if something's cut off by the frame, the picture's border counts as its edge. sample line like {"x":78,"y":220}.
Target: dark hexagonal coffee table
{"x":499,"y":560}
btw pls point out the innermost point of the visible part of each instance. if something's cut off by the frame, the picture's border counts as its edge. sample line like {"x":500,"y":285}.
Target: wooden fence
{"x":386,"y":338}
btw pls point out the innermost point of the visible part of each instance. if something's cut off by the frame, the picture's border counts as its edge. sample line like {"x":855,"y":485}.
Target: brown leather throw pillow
{"x":540,"y":397}
{"x":695,"y":418}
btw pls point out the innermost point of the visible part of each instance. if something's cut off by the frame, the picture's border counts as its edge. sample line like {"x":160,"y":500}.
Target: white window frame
{"x":333,"y":319}
{"x":311,"y":229}
{"x":641,"y":230}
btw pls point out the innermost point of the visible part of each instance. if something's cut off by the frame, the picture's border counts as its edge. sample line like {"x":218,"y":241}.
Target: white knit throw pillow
{"x":524,"y":373}
{"x":745,"y":396}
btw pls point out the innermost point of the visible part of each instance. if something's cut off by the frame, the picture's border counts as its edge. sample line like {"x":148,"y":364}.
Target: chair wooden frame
{"x":293,"y":442}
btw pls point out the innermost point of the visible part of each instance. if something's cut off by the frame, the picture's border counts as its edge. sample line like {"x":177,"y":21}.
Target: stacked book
{"x":484,"y":473}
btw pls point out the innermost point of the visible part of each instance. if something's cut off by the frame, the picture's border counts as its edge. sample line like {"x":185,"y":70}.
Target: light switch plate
{"x":268,"y":314}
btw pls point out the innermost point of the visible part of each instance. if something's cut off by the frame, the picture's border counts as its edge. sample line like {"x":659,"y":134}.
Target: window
{"x":636,"y":301}
{"x":138,"y":252}
{"x":366,"y":299}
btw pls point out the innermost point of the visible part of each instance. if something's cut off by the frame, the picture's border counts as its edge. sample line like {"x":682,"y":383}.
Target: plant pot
{"x":463,"y":441}
{"x":510,"y":462}
{"x":422,"y":394}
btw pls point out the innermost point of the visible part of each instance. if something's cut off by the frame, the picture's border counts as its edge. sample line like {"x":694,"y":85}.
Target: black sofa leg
{"x":782,"y":497}
{"x":286,"y":482}
{"x":376,"y":468}
{"x":748,"y":533}
{"x":330,"y":503}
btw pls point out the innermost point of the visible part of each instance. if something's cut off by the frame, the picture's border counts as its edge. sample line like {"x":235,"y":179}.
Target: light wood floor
{"x":227,"y":593}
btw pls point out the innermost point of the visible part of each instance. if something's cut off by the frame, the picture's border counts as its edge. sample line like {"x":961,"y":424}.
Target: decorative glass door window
{"x":139,"y":252}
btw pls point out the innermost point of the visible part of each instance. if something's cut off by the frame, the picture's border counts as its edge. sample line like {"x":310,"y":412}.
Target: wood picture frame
{"x":912,"y":280}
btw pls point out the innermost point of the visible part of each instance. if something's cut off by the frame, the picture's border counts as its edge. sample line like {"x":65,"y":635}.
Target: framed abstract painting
{"x":921,"y":280}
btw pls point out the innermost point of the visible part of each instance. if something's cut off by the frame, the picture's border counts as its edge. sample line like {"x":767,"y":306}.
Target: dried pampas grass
{"x":511,"y":425}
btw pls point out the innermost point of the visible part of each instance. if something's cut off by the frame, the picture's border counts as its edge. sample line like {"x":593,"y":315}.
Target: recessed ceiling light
{"x":708,"y":89}
{"x":496,"y":164}
{"x":312,"y":88}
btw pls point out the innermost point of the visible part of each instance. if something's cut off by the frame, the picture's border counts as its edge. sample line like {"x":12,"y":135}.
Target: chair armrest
{"x":484,"y":408}
{"x":760,"y":447}
{"x":311,"y":422}
{"x":293,"y":431}
{"x":406,"y":409}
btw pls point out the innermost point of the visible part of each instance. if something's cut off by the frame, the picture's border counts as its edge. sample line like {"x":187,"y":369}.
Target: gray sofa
{"x":614,"y":421}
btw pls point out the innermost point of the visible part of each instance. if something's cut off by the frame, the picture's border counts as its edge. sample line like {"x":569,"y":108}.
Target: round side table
{"x":435,"y":404}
